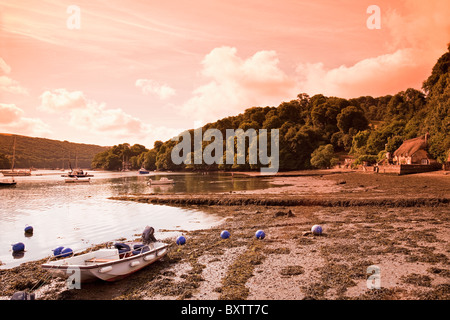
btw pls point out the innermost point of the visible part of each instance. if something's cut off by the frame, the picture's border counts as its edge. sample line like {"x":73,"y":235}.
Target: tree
{"x":322,"y":156}
{"x":351,"y":117}
{"x":149,"y":162}
{"x":4,"y":162}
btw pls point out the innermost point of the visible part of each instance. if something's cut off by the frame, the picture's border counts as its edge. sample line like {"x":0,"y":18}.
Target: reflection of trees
{"x":218,"y":182}
{"x":128,"y":185}
{"x":189,"y":183}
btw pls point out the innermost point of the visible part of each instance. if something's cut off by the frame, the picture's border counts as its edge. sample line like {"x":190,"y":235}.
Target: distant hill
{"x":47,"y":153}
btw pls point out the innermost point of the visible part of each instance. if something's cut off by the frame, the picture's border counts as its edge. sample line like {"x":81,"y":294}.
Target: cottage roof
{"x":411,"y":146}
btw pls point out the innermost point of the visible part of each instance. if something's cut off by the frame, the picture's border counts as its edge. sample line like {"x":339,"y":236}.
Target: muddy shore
{"x":399,"y":224}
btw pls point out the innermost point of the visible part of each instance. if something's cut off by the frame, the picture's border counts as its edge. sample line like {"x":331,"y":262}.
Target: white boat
{"x":77,"y":173}
{"x":108,"y":264}
{"x":160,"y":181}
{"x":76,"y":180}
{"x":17,"y":173}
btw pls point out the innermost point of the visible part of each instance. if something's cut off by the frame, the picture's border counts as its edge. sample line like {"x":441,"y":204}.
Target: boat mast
{"x":14,"y":154}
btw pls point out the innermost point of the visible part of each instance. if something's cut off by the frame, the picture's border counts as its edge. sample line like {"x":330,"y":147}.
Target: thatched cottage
{"x":411,"y":157}
{"x":413,"y":151}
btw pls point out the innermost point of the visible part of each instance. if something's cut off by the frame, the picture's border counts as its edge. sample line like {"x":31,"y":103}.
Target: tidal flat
{"x":398,"y":224}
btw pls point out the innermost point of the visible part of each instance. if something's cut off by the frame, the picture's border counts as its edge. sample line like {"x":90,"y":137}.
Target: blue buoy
{"x":18,"y":247}
{"x":260,"y":234}
{"x":28,"y":229}
{"x":66,"y":252}
{"x":316,"y":230}
{"x":57,"y":251}
{"x":225,"y":234}
{"x":181,"y":240}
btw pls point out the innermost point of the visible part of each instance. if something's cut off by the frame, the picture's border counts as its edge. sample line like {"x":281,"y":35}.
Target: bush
{"x":322,"y":156}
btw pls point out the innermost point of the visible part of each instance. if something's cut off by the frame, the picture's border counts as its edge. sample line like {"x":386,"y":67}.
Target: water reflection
{"x":79,"y":215}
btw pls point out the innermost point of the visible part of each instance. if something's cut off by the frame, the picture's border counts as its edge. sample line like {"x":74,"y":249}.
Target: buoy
{"x":66,"y":252}
{"x":316,"y":230}
{"x":57,"y":251}
{"x":22,"y":295}
{"x":260,"y":234}
{"x":225,"y":234}
{"x":28,"y":229}
{"x":18,"y":247}
{"x":181,"y":240}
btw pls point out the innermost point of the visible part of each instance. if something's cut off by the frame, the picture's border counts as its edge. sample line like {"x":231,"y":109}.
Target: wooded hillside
{"x":45,"y":153}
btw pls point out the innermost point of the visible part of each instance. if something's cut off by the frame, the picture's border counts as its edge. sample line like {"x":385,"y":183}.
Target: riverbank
{"x":397,"y":223}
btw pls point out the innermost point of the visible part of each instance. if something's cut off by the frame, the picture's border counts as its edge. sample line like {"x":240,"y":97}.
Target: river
{"x":80,"y":215}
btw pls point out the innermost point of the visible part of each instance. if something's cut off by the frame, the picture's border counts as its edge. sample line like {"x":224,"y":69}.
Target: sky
{"x":109,"y":72}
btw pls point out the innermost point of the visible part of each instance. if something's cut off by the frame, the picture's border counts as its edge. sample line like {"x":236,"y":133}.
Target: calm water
{"x":79,"y":215}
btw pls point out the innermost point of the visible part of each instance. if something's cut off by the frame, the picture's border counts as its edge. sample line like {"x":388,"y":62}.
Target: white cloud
{"x":12,"y":120}
{"x":106,"y":124}
{"x":4,"y":67}
{"x":8,"y":84}
{"x":235,"y":84}
{"x":12,"y":86}
{"x":148,"y":86}
{"x":385,"y":74}
{"x":60,"y":100}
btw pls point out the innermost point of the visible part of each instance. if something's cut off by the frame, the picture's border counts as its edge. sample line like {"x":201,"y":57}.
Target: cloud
{"x":88,"y":115}
{"x":8,"y":84}
{"x":12,"y":86}
{"x":60,"y":100}
{"x":385,"y":74}
{"x":235,"y":84}
{"x":4,"y":67}
{"x":419,"y":33}
{"x":12,"y":120}
{"x":422,"y":24}
{"x":149,"y":86}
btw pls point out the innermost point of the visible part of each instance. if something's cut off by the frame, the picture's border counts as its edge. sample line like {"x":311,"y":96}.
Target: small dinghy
{"x":76,"y":180}
{"x":160,"y":181}
{"x":109,"y":264}
{"x":7,"y":184}
{"x":112,"y":263}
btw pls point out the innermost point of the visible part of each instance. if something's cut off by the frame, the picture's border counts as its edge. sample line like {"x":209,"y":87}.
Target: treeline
{"x":121,"y":157}
{"x":45,"y":153}
{"x":313,"y":131}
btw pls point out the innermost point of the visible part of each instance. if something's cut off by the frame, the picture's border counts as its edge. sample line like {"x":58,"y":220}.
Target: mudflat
{"x":397,"y":225}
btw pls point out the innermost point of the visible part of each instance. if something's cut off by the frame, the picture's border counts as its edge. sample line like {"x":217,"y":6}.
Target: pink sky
{"x":138,"y":71}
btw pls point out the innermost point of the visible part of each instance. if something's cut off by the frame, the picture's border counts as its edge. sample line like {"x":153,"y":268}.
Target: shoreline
{"x":368,"y":220}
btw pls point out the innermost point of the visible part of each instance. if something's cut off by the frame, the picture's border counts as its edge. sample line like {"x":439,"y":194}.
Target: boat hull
{"x":76,"y":180}
{"x":16,"y":174}
{"x":108,"y":271}
{"x":7,"y":184}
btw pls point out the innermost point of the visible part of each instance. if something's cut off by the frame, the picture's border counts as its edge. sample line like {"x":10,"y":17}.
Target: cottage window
{"x":424,"y":161}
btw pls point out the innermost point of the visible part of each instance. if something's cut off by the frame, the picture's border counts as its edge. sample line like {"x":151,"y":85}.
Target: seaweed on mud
{"x":277,"y":250}
{"x":438,"y":271}
{"x":439,"y":292}
{"x":417,"y":280}
{"x":314,"y":291}
{"x":338,"y":276}
{"x":292,"y":270}
{"x":381,"y":294}
{"x":233,"y":284}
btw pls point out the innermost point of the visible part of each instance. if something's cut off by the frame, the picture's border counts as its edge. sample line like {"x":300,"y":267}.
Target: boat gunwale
{"x":103,"y":264}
